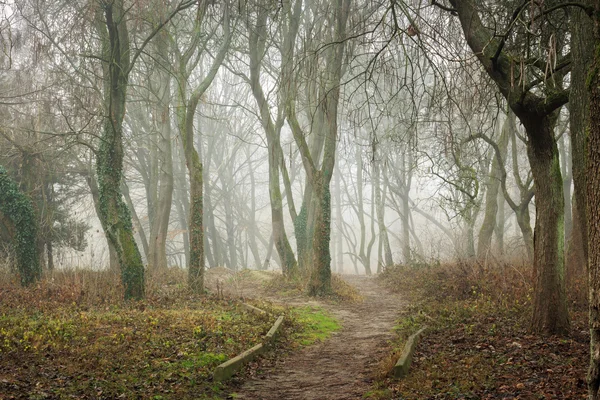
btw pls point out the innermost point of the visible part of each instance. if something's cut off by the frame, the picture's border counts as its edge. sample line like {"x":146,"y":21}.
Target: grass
{"x":69,"y":338}
{"x":317,"y":325}
{"x":478,"y":345}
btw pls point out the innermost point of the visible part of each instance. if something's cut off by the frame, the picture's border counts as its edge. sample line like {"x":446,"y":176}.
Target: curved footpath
{"x":343,"y":366}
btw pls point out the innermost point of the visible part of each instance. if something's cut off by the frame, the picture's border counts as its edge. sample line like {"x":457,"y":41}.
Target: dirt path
{"x":343,"y":366}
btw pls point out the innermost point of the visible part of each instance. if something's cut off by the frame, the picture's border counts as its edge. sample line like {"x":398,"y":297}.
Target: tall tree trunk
{"x":195,"y":222}
{"x":109,"y":164}
{"x":380,"y":210}
{"x":549,"y":305}
{"x":272,"y":129}
{"x":186,"y":111}
{"x":491,"y":195}
{"x":593,"y":208}
{"x":405,"y":182}
{"x":339,"y":221}
{"x":252,"y":231}
{"x":565,"y":166}
{"x":582,"y":51}
{"x":159,"y":224}
{"x":320,"y":276}
{"x":360,"y":211}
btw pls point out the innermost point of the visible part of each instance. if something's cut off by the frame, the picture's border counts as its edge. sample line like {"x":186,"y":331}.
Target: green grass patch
{"x":316,"y":325}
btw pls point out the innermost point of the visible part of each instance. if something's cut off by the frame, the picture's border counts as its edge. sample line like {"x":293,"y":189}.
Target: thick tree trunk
{"x":320,"y":276}
{"x":593,"y":211}
{"x":582,"y":43}
{"x":550,"y":313}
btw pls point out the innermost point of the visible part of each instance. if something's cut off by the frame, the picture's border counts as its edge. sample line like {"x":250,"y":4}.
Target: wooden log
{"x":403,"y":365}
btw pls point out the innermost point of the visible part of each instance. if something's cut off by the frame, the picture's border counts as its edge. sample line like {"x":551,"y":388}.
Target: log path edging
{"x":227,"y":369}
{"x":401,"y":368}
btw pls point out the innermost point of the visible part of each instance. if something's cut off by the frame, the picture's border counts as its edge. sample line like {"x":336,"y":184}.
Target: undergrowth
{"x":70,"y":336}
{"x":340,"y":290}
{"x":478,"y":344}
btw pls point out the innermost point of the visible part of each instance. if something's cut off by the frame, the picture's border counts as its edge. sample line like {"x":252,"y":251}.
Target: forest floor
{"x":478,"y":344}
{"x":72,"y":336}
{"x":345,"y":365}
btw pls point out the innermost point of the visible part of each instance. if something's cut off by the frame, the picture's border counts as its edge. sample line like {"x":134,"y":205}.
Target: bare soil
{"x":342,"y":367}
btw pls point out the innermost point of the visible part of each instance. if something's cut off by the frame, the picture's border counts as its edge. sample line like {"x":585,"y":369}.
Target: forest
{"x":299,"y":199}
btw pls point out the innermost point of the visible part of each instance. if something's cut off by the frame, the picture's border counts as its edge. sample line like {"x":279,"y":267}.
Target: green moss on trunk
{"x":17,"y":207}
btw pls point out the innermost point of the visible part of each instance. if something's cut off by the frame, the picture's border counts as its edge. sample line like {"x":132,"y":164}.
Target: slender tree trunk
{"x":491,"y":196}
{"x":186,"y":114}
{"x":273,"y":132}
{"x":565,"y":166}
{"x":195,"y":222}
{"x":251,"y":216}
{"x":182,"y":200}
{"x":159,"y":224}
{"x":135,"y":218}
{"x":405,"y":217}
{"x":380,"y":209}
{"x":339,"y":221}
{"x":499,"y":229}
{"x":109,"y":164}
{"x":364,"y":259}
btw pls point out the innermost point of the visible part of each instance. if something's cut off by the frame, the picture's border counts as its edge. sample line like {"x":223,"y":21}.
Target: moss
{"x":17,"y":207}
{"x":317,"y":325}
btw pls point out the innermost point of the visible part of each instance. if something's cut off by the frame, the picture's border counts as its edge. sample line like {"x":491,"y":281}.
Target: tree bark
{"x":488,"y":226}
{"x":339,"y":220}
{"x":593,"y":210}
{"x":582,"y":50}
{"x":109,"y":164}
{"x":380,"y":209}
{"x":159,"y":223}
{"x":550,"y":313}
